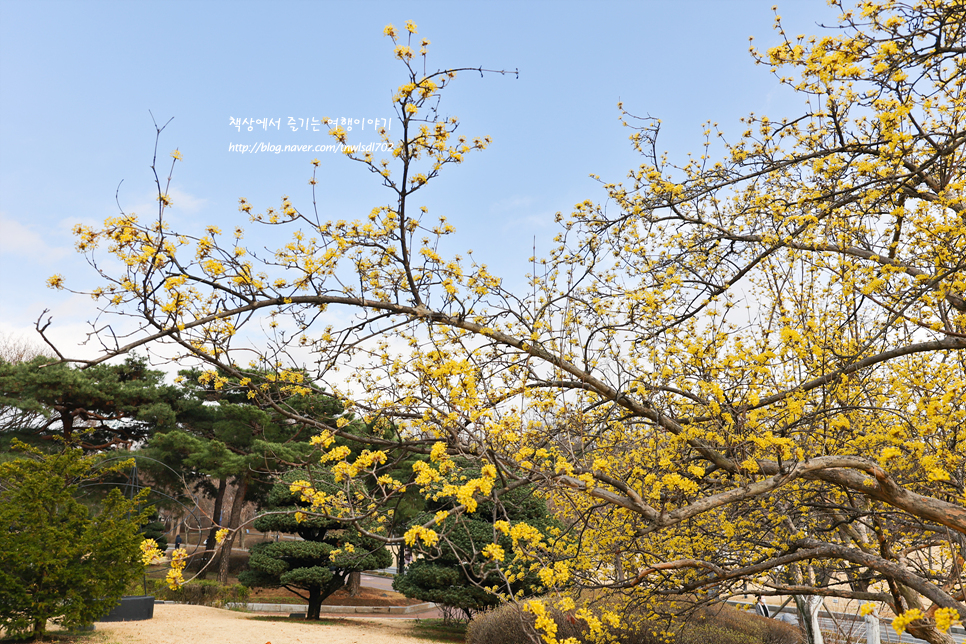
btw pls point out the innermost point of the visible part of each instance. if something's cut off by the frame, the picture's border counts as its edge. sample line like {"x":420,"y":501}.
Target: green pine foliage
{"x":223,"y":436}
{"x":59,"y":560}
{"x":320,"y":563}
{"x":454,"y":574}
{"x":100,"y":407}
{"x":154,"y":529}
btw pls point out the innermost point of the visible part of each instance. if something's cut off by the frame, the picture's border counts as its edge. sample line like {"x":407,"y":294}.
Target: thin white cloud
{"x":186,"y":202}
{"x":510,"y":204}
{"x":181,"y":203}
{"x":526,"y":219}
{"x":23,"y":240}
{"x":528,"y":222}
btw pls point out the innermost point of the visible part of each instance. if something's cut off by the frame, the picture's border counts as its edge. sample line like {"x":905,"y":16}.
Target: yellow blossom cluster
{"x":150,"y":553}
{"x":175,"y":576}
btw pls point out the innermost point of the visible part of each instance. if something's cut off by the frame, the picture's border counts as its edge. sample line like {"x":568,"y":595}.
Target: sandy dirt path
{"x":181,"y":624}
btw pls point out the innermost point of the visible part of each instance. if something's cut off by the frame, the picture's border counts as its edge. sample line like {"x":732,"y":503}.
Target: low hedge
{"x":511,"y":625}
{"x":202,"y":593}
{"x":236,"y":563}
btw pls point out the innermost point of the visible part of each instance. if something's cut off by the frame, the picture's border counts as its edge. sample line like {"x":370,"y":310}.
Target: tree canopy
{"x":462,"y":571}
{"x":222,"y":435}
{"x":749,"y":365}
{"x":102,"y":407}
{"x":58,"y":559}
{"x":321,"y":561}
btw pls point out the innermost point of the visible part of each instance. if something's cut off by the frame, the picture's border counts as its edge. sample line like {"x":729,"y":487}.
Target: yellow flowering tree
{"x":749,"y":368}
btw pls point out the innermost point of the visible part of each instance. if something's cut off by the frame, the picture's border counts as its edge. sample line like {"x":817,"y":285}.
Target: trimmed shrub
{"x":154,"y":529}
{"x":509,"y":624}
{"x":730,"y":626}
{"x":325,"y":557}
{"x":454,"y":574}
{"x":202,"y":593}
{"x":720,"y":625}
{"x":237,"y":563}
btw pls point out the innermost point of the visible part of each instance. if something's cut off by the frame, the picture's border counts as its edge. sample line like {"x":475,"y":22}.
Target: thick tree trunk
{"x":216,"y":513}
{"x":241,"y":489}
{"x":808,"y":618}
{"x":930,"y":633}
{"x":354,"y":584}
{"x":315,"y":603}
{"x":67,"y":420}
{"x":924,"y":630}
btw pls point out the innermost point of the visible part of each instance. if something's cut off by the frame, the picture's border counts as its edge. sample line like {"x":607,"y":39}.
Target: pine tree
{"x":222,"y":436}
{"x":320,"y":563}
{"x":457,"y":572}
{"x":59,"y":560}
{"x":101,"y":407}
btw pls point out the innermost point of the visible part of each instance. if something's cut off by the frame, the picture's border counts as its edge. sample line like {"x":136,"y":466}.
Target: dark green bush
{"x":237,"y":563}
{"x":154,"y":529}
{"x":454,"y":575}
{"x":327,"y":554}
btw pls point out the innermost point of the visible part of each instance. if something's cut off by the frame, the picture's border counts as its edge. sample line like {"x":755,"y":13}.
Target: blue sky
{"x":78,"y":79}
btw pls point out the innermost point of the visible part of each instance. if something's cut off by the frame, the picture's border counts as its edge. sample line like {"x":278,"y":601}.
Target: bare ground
{"x":366,"y":597}
{"x":182,"y":624}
